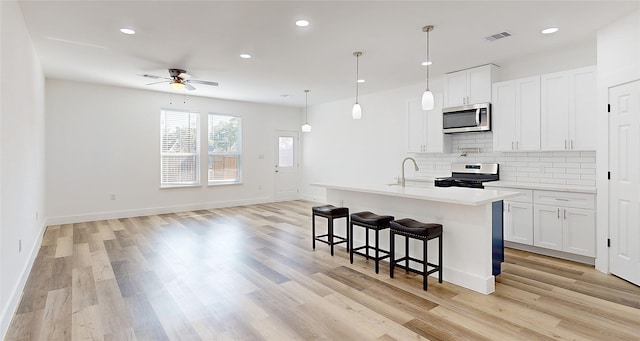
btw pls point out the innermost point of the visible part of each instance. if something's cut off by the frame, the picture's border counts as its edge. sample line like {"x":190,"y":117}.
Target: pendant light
{"x":427,"y":96}
{"x":356,"y":112}
{"x":306,"y":127}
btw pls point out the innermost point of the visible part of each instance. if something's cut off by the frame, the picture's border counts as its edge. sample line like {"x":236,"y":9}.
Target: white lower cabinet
{"x":518,"y":222}
{"x":562,"y":221}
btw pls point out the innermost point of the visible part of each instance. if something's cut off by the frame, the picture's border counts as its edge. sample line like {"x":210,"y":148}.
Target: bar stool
{"x":369,"y":221}
{"x":410,"y":228}
{"x":330,"y":212}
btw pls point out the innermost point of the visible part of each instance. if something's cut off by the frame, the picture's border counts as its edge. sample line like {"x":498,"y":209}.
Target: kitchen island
{"x":471,"y":219}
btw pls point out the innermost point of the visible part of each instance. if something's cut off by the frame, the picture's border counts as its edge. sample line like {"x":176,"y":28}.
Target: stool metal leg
{"x":313,"y":231}
{"x":392,"y":253}
{"x":377,"y":251}
{"x":348,"y":237}
{"x":406,"y":253}
{"x":330,"y":232}
{"x":367,"y":241}
{"x":351,"y":242}
{"x":440,"y":259}
{"x":424,"y":264}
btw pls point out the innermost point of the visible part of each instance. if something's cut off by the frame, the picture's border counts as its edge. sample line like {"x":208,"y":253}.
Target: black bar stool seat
{"x":410,"y":228}
{"x":370,"y":221}
{"x":330,"y":212}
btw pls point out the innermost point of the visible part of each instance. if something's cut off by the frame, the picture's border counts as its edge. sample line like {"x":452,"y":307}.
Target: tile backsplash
{"x":564,"y":168}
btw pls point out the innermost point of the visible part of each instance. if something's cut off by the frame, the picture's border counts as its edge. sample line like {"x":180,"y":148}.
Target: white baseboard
{"x":71,"y":219}
{"x":313,"y":198}
{"x":16,"y":293}
{"x":551,"y":253}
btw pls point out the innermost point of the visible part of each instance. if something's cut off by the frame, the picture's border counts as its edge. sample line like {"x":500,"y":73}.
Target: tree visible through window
{"x":179,"y":148}
{"x":225,"y":148}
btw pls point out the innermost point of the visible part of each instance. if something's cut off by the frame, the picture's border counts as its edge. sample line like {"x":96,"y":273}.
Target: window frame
{"x":197,"y":154}
{"x":238,"y":154}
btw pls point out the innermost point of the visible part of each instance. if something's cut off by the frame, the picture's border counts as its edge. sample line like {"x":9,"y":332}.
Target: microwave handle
{"x":478,"y":117}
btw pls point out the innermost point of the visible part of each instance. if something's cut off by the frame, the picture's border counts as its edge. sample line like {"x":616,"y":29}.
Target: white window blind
{"x":179,"y":148}
{"x":225,"y":148}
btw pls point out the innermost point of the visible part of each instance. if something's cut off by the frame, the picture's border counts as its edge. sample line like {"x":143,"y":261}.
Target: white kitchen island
{"x":471,"y":219}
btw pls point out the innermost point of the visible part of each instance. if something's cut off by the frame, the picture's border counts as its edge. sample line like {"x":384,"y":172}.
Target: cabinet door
{"x":579,"y":231}
{"x":528,"y":113}
{"x":416,"y":125}
{"x":518,"y":222}
{"x":582,"y":109}
{"x":455,"y":89}
{"x":479,"y":88}
{"x":554,"y":111}
{"x":547,"y":227}
{"x":503,"y":116}
{"x":435,"y":140}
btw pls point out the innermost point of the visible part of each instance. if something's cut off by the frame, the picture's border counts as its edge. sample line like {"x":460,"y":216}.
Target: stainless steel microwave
{"x":466,"y":118}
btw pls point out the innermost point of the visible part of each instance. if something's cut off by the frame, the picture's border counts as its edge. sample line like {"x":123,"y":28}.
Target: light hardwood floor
{"x":249,"y":273}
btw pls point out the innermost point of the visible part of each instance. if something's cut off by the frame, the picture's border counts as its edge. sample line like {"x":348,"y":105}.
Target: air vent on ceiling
{"x":498,"y":36}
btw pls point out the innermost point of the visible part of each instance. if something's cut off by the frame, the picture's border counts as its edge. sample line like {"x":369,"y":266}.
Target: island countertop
{"x":451,"y":195}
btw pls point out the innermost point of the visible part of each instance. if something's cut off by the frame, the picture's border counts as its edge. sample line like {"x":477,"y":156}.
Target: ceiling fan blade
{"x":156,"y":82}
{"x":151,"y":76}
{"x":195,"y":81}
{"x":184,"y":75}
{"x":188,"y":86}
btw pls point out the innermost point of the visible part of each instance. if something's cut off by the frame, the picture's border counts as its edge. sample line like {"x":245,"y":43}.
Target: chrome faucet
{"x":415,"y":165}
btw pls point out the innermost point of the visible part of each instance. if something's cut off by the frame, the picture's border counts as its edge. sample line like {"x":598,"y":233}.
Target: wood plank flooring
{"x":249,"y":273}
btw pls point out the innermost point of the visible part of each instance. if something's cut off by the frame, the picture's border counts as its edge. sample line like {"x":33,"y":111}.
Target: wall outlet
{"x":341,"y":203}
{"x":260,"y":188}
{"x":19,"y":245}
{"x":113,"y":197}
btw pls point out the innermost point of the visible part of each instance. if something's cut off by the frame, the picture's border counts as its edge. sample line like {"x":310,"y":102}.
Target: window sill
{"x":224,"y":183}
{"x":179,"y":186}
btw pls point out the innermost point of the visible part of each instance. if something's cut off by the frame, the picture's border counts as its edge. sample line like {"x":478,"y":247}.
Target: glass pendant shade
{"x":306,"y":128}
{"x":427,"y":100}
{"x":356,"y":112}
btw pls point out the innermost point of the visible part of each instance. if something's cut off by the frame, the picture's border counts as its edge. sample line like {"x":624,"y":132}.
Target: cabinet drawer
{"x":565,"y":199}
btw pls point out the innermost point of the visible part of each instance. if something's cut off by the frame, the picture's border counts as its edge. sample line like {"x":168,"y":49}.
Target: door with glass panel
{"x":286,"y":168}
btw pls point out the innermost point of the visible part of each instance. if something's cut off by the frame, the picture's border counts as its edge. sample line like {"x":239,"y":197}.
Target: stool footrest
{"x":373,"y":250}
{"x":434,"y":266}
{"x":340,"y":240}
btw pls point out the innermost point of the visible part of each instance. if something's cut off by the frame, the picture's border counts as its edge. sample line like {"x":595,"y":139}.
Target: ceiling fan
{"x":179,"y":79}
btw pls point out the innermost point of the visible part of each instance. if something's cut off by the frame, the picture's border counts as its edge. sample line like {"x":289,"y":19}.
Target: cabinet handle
{"x":518,"y":145}
{"x":558,"y":213}
{"x":512,"y":145}
{"x":564,"y":212}
{"x":571,"y":144}
{"x":509,"y":207}
{"x":565,"y":143}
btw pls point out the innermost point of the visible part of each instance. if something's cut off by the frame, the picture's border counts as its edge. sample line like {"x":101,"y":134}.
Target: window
{"x":225,"y":149}
{"x":179,"y":148}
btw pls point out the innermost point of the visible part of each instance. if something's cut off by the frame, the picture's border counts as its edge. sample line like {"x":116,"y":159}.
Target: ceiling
{"x":80,"y":40}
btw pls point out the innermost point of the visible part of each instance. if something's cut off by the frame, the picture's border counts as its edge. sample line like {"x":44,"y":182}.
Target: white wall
{"x":618,"y":63}
{"x":104,"y":140}
{"x":21,"y":158}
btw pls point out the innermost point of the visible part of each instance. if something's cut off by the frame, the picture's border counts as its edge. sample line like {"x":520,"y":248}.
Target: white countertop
{"x":546,"y":187}
{"x":452,"y":195}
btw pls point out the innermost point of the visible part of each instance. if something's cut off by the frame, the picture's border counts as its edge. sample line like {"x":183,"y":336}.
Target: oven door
{"x":476,"y":117}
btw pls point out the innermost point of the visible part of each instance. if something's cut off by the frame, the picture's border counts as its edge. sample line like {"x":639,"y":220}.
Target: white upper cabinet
{"x":468,"y":86}
{"x":516,"y":115}
{"x":424,"y":128}
{"x":568,"y":109}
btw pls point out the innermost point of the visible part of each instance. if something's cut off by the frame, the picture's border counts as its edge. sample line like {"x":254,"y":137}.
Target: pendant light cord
{"x":357,"y":73}
{"x":306,"y":116}
{"x":428,"y":59}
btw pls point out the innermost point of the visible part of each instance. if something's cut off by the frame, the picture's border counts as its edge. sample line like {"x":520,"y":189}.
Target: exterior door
{"x":624,"y":186}
{"x":286,"y":168}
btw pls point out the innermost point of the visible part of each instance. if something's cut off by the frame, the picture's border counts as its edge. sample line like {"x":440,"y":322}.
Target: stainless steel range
{"x":471,"y":175}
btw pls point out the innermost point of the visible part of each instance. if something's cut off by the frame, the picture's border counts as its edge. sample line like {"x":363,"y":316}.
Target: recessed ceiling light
{"x":425,"y":63}
{"x":127,"y":31}
{"x":245,"y":56}
{"x":302,"y":23}
{"x":550,"y":30}
{"x":360,"y":81}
